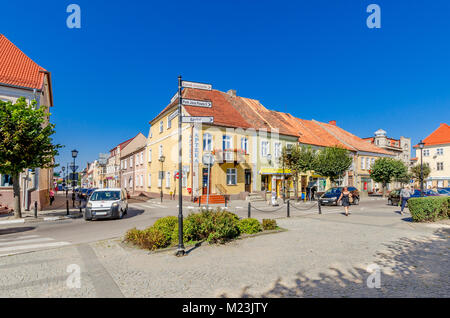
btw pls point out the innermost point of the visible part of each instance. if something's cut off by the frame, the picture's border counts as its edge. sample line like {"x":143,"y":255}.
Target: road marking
{"x":33,"y":246}
{"x":26,"y":241}
{"x":51,"y":218}
{"x":19,"y":238}
{"x":12,"y":221}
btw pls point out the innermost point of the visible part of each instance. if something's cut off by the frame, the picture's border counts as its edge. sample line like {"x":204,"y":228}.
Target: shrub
{"x":150,"y":238}
{"x":166,"y":226}
{"x":429,"y":208}
{"x":249,"y":226}
{"x":225,"y":227}
{"x":269,"y":224}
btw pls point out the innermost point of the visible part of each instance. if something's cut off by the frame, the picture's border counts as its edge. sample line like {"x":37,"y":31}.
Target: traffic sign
{"x":173,"y":115}
{"x":174,"y":97}
{"x":197,"y":119}
{"x":207,"y":87}
{"x":197,"y":103}
{"x":208,"y":159}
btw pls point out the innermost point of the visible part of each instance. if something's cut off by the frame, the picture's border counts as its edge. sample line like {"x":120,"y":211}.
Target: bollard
{"x":318,"y":205}
{"x":35,"y":209}
{"x":199,"y":201}
{"x":67,"y":207}
{"x":225,"y":200}
{"x":249,"y":210}
{"x":288,"y":208}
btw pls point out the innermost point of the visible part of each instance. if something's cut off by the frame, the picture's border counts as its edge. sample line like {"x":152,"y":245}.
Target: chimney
{"x":332,"y":122}
{"x":232,"y":92}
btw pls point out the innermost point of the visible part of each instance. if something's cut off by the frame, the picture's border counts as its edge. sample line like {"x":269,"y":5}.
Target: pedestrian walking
{"x":52,"y":196}
{"x":345,"y":197}
{"x":405,"y":194}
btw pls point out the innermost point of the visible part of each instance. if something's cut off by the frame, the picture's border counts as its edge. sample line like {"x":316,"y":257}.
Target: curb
{"x":40,"y":219}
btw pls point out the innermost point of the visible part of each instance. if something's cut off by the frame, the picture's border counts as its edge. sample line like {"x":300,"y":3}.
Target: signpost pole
{"x":209,"y":180}
{"x":180,"y":251}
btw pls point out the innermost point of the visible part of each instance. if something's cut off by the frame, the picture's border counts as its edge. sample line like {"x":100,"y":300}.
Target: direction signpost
{"x":191,"y":120}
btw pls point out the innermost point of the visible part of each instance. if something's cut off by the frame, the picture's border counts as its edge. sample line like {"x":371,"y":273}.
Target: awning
{"x":275,"y":171}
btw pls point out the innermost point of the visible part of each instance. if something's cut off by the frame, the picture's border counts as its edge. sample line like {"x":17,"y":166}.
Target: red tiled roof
{"x":352,"y":140}
{"x":223,"y":112}
{"x":17,"y":69}
{"x":438,"y":137}
{"x":123,"y":144}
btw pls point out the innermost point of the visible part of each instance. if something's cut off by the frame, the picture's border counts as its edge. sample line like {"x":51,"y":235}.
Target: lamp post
{"x":74,"y":155}
{"x":161,"y":159}
{"x":288,"y":152}
{"x":421,"y":145}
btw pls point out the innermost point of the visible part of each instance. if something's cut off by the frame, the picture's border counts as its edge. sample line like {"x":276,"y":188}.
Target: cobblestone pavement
{"x":319,"y":256}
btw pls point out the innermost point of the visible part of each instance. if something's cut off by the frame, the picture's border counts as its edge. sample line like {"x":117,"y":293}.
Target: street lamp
{"x":74,"y":155}
{"x":285,"y":156}
{"x":161,"y":159}
{"x":421,"y":145}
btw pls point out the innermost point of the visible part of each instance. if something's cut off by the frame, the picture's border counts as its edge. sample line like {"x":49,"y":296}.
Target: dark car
{"x":394,"y":195}
{"x":331,"y":196}
{"x":82,"y":194}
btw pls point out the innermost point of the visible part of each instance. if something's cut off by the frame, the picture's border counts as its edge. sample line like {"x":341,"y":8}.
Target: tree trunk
{"x":16,"y":190}
{"x":296,"y":186}
{"x":384,"y":190}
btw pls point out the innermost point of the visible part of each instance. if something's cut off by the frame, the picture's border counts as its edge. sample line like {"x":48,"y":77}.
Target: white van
{"x":106,"y":203}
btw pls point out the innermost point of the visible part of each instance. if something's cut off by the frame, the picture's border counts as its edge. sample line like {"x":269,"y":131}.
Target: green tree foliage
{"x":385,"y":170}
{"x":299,"y":159}
{"x":332,"y":162}
{"x":415,"y":171}
{"x":25,"y":141}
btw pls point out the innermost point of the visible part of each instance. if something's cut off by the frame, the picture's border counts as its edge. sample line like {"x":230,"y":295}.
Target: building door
{"x":248,"y":180}
{"x":205,"y":182}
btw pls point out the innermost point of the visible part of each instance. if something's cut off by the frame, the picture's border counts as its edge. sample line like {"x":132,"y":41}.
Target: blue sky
{"x":314,"y":59}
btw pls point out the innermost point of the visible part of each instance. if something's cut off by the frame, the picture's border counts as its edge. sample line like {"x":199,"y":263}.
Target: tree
{"x":299,"y":159}
{"x":415,"y":171}
{"x":332,"y":162}
{"x":385,"y":170}
{"x":25,"y":142}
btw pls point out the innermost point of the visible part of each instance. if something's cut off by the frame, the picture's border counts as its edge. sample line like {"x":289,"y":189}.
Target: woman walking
{"x":52,"y":196}
{"x":345,"y":197}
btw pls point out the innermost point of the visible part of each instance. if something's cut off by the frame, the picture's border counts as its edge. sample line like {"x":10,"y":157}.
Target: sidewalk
{"x":54,"y":212}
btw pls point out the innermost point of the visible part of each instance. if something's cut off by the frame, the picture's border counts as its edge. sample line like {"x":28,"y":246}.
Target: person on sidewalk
{"x":405,"y":194}
{"x":345,"y":197}
{"x":52,"y":196}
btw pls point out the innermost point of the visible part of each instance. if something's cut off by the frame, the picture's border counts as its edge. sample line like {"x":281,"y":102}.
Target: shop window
{"x":5,"y":180}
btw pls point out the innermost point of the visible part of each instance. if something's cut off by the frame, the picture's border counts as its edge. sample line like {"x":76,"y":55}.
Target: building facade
{"x":21,"y":77}
{"x":133,"y":165}
{"x":436,"y":153}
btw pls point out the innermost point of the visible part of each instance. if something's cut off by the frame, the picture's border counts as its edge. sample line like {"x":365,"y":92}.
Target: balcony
{"x":235,"y":156}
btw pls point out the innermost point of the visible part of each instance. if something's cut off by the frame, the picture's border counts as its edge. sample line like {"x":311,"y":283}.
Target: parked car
{"x":82,"y":193}
{"x":444,"y":191}
{"x":106,"y":203}
{"x":394,"y":195}
{"x":331,"y":196}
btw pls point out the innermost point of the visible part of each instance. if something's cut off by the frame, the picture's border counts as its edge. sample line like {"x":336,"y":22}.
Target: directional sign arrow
{"x":198,"y":119}
{"x":173,"y":115}
{"x":174,"y":97}
{"x":197,"y":103}
{"x":207,"y":87}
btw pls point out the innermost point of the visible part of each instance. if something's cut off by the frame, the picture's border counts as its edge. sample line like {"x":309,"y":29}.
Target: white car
{"x":106,"y":203}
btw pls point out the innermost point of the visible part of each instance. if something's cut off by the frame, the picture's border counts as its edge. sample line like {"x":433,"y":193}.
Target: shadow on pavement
{"x":409,"y":268}
{"x":16,"y":230}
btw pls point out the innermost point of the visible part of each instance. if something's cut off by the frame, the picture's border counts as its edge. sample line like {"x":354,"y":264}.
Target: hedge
{"x":429,"y":209}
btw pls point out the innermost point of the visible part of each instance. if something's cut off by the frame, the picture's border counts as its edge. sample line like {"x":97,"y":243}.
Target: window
{"x":150,"y":155}
{"x":363,"y":163}
{"x":131,"y":162}
{"x":372,"y":162}
{"x":207,"y":142}
{"x":121,"y":164}
{"x":168,"y":180}
{"x":125,"y":164}
{"x":367,"y":163}
{"x":137,"y":159}
{"x":440,"y":151}
{"x":231,"y":176}
{"x":226,"y":142}
{"x":440,"y":166}
{"x":149,"y":180}
{"x":426,"y":152}
{"x":244,"y":145}
{"x":142,"y":157}
{"x":160,"y":151}
{"x":137,"y":181}
{"x":141,"y":177}
{"x":264,"y":148}
{"x":125,"y":183}
{"x":5,"y":180}
{"x":277,"y":149}
{"x":161,"y":127}
{"x":169,"y":123}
